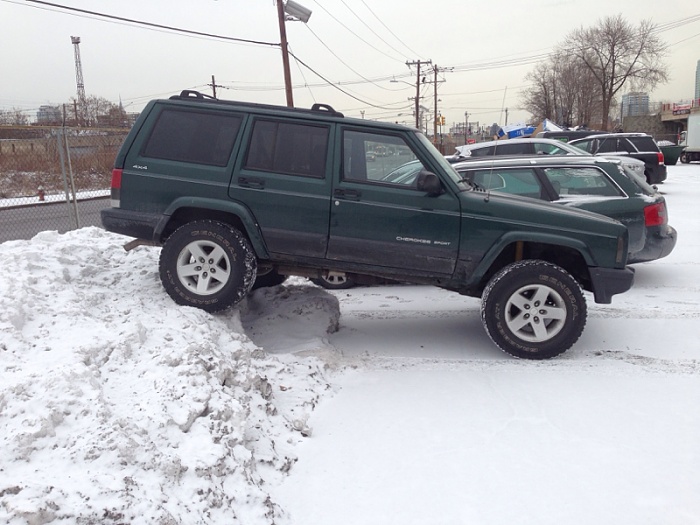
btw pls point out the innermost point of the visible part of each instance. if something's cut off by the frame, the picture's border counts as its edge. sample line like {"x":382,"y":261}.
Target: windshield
{"x":440,"y":159}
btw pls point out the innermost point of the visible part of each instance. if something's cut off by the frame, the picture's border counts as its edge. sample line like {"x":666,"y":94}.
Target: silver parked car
{"x":532,"y":146}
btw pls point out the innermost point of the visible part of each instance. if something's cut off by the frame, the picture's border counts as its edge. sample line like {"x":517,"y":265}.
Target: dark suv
{"x":636,"y":145}
{"x":238,"y":192}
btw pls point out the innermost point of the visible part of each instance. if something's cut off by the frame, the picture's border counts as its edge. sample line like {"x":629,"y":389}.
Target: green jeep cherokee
{"x":236,"y":192}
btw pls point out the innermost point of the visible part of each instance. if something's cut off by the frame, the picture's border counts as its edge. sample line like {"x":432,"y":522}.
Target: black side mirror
{"x":428,"y":182}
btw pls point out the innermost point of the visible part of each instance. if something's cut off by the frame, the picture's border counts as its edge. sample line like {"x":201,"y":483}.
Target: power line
{"x":331,"y":84}
{"x":343,"y":62}
{"x":153,"y":25}
{"x":390,"y":31}
{"x":368,"y":27}
{"x":355,"y":34}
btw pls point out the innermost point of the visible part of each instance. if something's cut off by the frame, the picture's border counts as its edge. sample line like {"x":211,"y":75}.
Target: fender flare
{"x":244,"y":214}
{"x":524,"y":236}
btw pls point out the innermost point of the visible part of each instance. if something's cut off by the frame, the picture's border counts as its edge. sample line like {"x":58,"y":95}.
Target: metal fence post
{"x":72,"y":180}
{"x":61,"y":154}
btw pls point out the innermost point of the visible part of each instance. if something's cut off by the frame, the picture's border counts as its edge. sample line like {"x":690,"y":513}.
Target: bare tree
{"x":560,"y":91}
{"x":616,"y":54}
{"x":96,"y":112}
{"x":13,"y":117}
{"x":538,"y":99}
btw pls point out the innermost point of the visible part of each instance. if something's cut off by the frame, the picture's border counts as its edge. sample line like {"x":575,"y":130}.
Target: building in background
{"x":697,"y":82}
{"x":634,"y":105}
{"x":48,"y":115}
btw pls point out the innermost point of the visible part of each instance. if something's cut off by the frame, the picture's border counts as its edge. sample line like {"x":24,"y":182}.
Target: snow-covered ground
{"x":381,"y":405}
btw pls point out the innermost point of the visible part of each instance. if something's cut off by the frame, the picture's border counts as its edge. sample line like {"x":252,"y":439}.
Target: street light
{"x":295,"y":12}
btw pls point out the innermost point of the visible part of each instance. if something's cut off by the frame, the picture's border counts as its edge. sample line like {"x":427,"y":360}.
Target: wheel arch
{"x":188,"y":209}
{"x":569,"y":254}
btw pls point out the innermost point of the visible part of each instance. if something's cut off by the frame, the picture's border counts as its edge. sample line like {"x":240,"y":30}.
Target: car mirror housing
{"x":428,"y":182}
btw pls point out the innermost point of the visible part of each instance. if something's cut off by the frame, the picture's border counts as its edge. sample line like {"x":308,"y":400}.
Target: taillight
{"x":661,"y":158}
{"x":655,"y":215}
{"x":117,"y":178}
{"x":115,"y":194}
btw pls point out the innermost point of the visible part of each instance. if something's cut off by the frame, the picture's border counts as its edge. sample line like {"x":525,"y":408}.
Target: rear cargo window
{"x":189,"y":136}
{"x":283,"y":147}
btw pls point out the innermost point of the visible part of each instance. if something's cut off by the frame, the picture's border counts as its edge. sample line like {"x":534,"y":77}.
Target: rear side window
{"x":608,"y":145}
{"x":190,"y":136}
{"x":644,"y":143}
{"x":517,"y":181}
{"x":506,"y":148}
{"x":551,"y":149}
{"x":586,"y":145}
{"x":512,"y":148}
{"x":482,"y":152}
{"x":581,"y":181}
{"x":289,"y":148}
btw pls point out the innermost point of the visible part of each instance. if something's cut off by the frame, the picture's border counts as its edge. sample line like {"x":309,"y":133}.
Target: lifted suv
{"x":236,"y":192}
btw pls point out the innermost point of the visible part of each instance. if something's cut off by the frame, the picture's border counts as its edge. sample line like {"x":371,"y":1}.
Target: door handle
{"x":246,"y":182}
{"x":351,"y":195}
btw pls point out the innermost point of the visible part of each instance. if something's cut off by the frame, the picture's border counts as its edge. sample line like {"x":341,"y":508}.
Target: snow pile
{"x":117,"y":406}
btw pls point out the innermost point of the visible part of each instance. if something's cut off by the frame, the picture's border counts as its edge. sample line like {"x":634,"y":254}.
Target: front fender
{"x":530,"y":237}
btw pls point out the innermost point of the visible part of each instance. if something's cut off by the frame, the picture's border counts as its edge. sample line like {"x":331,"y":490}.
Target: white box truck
{"x":690,"y":139}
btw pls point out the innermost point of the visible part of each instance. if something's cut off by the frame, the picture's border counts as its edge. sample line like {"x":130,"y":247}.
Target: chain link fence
{"x":54,"y":178}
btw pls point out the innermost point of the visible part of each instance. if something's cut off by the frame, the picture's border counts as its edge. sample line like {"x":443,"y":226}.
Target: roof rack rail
{"x":191,"y":93}
{"x":327,"y":109}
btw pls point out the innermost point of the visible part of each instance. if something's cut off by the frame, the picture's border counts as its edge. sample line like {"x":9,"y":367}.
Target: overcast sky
{"x":361,"y":45}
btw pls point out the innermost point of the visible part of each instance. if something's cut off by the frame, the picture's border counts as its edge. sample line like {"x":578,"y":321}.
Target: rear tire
{"x":533,"y":309}
{"x":208,"y":265}
{"x":335,"y":281}
{"x":684,"y":158}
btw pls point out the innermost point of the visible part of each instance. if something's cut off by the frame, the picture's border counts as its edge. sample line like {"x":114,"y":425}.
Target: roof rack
{"x":190,"y":94}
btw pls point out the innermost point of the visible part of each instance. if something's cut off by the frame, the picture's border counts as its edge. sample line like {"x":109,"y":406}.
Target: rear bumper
{"x":659,"y":242}
{"x":657,"y":174}
{"x":130,"y":223}
{"x":607,"y":282}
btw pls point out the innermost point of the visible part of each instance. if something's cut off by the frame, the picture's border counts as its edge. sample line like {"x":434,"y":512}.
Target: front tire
{"x":684,"y":158}
{"x":533,"y":309}
{"x":208,"y":265}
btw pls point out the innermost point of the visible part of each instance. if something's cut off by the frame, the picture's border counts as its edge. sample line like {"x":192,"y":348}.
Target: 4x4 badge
{"x":139,"y":167}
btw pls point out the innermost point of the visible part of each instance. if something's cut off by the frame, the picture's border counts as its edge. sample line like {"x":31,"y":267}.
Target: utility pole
{"x":466,"y":125}
{"x":213,"y":85}
{"x":418,"y":64}
{"x":437,"y":70}
{"x":285,"y":54}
